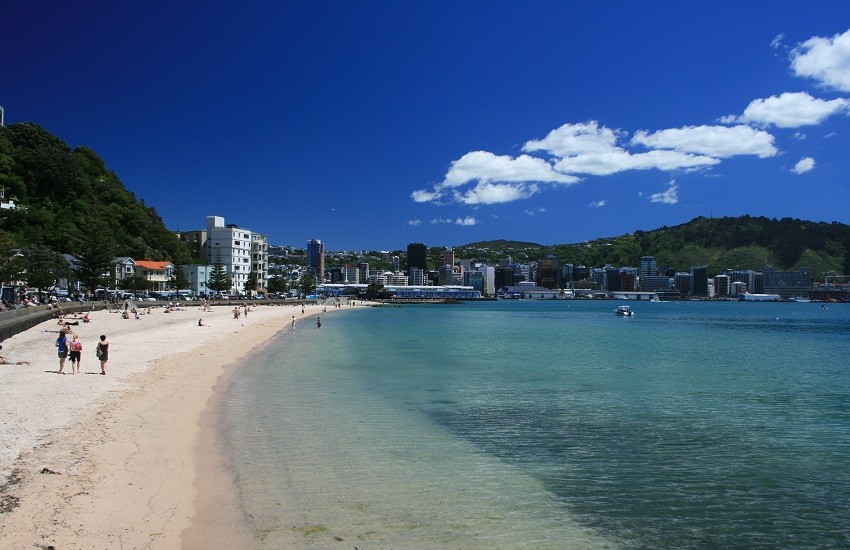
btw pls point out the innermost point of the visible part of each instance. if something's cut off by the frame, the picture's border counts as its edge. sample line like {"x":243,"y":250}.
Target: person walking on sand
{"x":293,"y":322}
{"x":76,"y":347}
{"x":62,"y":350}
{"x":102,"y":352}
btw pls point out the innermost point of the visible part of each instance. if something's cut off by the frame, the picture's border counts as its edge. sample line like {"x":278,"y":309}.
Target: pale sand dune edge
{"x":125,"y":447}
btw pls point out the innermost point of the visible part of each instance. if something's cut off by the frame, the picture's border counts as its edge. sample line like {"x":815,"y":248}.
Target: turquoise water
{"x":550,"y":424}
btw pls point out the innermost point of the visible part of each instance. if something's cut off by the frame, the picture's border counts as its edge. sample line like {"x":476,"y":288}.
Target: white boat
{"x":624,"y":310}
{"x":799,"y":299}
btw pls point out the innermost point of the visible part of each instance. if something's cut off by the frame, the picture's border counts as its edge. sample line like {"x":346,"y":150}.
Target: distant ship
{"x":800,"y":299}
{"x":747,"y":297}
{"x":624,"y":310}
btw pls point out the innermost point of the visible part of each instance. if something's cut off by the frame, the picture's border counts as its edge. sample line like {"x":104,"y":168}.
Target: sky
{"x":371,"y":125}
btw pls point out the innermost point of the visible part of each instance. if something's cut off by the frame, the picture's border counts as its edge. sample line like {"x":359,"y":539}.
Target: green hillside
{"x":65,"y":195}
{"x":738,"y":243}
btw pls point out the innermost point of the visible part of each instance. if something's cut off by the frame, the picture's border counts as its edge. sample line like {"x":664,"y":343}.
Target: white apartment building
{"x":241,"y":252}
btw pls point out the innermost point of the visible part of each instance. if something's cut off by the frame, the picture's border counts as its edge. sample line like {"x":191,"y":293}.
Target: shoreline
{"x":137,"y":456}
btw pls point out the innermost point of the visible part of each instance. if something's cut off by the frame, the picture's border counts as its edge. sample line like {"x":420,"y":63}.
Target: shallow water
{"x":550,"y":425}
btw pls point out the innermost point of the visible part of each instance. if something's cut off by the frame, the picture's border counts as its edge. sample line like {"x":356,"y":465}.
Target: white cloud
{"x":469,"y":220}
{"x":791,"y":110}
{"x":496,"y":193}
{"x":440,"y":220}
{"x":776,"y":43}
{"x":806,"y":164}
{"x":619,"y":160}
{"x":830,"y":135}
{"x":800,"y":135}
{"x":670,"y":196}
{"x":422,"y":195}
{"x":826,"y":60}
{"x":714,"y":141}
{"x":575,"y":139}
{"x":598,"y":204}
{"x":414,"y":223}
{"x":485,"y":167}
{"x":529,"y":212}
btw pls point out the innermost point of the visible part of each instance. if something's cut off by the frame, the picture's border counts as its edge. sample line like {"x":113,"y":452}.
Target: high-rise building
{"x":549,"y":273}
{"x":231,"y":245}
{"x":699,"y":281}
{"x":316,"y":258}
{"x":648,"y":267}
{"x":417,"y":256}
{"x":449,"y":257}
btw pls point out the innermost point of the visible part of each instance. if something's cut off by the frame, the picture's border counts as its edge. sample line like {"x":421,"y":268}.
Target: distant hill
{"x":61,"y":191}
{"x":744,"y":242}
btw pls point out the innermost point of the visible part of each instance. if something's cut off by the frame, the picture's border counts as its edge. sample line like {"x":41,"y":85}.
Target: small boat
{"x":799,"y":299}
{"x":624,"y":310}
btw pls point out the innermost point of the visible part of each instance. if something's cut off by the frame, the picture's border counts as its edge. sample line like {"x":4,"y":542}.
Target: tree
{"x":11,"y":262}
{"x":95,"y":256}
{"x":278,"y":283}
{"x":43,"y":267}
{"x":219,"y":281}
{"x":135,"y":283}
{"x":251,"y":284}
{"x":178,"y":280}
{"x":307,"y":284}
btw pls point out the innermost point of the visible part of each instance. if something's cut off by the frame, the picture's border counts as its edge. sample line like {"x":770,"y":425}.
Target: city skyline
{"x":376,"y":125}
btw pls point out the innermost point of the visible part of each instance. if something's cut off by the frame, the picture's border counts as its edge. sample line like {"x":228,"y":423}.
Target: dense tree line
{"x":66,"y":196}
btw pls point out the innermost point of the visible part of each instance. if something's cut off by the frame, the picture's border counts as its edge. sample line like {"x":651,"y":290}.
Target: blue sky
{"x":372,"y":125}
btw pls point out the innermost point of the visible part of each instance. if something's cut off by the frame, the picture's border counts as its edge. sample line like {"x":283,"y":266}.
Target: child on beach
{"x":76,"y":347}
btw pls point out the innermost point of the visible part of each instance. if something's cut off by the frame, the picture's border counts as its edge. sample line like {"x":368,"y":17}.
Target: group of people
{"x":74,"y":351}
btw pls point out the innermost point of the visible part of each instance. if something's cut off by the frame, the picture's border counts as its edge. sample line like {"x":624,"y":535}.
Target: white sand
{"x":126,"y":446}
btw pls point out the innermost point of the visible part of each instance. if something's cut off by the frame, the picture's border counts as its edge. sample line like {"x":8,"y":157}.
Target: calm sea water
{"x":550,"y":424}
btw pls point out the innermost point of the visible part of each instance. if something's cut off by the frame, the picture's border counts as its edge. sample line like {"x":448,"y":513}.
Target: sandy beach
{"x":130,"y":459}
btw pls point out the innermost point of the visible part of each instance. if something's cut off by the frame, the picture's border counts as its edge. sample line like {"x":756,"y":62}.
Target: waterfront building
{"x":721,"y":286}
{"x":122,"y":268}
{"x":449,"y":257}
{"x":417,"y":256}
{"x":397,"y":279}
{"x":316,"y":258}
{"x":157,"y":274}
{"x":475,"y":279}
{"x":260,"y":260}
{"x":648,"y":267}
{"x":654,"y":283}
{"x":787,"y":284}
{"x":567,"y":273}
{"x":489,"y":274}
{"x":232,"y":244}
{"x":737,"y":288}
{"x":396,"y":263}
{"x":416,"y":276}
{"x":699,"y":281}
{"x":503,"y":276}
{"x":581,"y":273}
{"x":628,"y":279}
{"x":682,"y":284}
{"x":548,"y":273}
{"x":351,"y":274}
{"x":363,"y":272}
{"x":198,"y":277}
{"x":446,"y":275}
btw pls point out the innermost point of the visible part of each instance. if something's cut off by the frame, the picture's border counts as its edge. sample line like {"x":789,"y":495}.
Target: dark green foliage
{"x":94,"y":254}
{"x":278,"y":284}
{"x":43,"y":267}
{"x":219,"y":281}
{"x":136,"y":283}
{"x":251,"y":284}
{"x":307,"y":284}
{"x":60,"y":191}
{"x":179,"y":280}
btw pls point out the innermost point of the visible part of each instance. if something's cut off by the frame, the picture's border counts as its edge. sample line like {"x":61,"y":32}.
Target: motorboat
{"x":626,"y":311}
